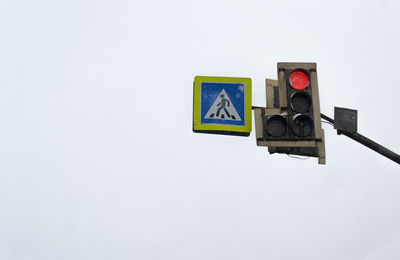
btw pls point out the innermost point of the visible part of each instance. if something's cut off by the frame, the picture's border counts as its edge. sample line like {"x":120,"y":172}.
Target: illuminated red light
{"x":298,"y":80}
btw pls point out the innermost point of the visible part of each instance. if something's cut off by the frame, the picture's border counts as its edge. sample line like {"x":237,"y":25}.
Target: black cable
{"x":326,"y":122}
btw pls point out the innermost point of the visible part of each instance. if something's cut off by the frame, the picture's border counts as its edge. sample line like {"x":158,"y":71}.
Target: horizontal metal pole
{"x":367,"y":142}
{"x":372,"y":145}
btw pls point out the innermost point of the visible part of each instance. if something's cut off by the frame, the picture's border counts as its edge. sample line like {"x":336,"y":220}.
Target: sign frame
{"x":226,"y":128}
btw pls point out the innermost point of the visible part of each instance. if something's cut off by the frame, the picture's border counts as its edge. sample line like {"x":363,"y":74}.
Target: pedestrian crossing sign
{"x":222,"y":105}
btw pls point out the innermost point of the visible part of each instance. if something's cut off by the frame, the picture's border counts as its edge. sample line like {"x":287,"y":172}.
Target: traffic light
{"x":294,"y":127}
{"x":274,"y":121}
{"x":300,"y":103}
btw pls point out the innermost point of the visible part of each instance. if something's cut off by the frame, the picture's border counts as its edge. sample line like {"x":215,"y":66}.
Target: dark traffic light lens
{"x":301,"y":102}
{"x":298,"y":80}
{"x":275,"y":125}
{"x":302,"y":125}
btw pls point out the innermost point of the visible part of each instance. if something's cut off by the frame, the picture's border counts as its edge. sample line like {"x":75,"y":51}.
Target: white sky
{"x":97,"y":155}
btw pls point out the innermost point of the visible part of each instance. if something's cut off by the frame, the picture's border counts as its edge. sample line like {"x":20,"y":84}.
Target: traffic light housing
{"x":274,"y":121}
{"x":300,"y":107}
{"x":294,"y":127}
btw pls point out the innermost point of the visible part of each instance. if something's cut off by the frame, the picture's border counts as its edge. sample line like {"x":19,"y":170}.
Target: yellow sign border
{"x":199,"y":127}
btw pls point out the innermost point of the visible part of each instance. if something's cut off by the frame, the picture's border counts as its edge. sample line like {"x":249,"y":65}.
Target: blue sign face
{"x":222,"y":103}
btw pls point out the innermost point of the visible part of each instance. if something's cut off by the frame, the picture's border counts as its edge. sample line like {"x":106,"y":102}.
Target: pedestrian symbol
{"x":222,"y":105}
{"x":223,"y":108}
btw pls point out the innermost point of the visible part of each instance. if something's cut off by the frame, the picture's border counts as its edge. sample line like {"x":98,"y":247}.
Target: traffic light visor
{"x":275,"y":125}
{"x":302,"y":125}
{"x":300,"y":102}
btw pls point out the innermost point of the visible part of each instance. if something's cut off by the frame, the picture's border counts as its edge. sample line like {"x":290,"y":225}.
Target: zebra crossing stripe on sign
{"x":223,"y":108}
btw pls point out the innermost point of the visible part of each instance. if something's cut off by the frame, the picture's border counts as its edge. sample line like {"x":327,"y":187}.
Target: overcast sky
{"x":97,"y":155}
